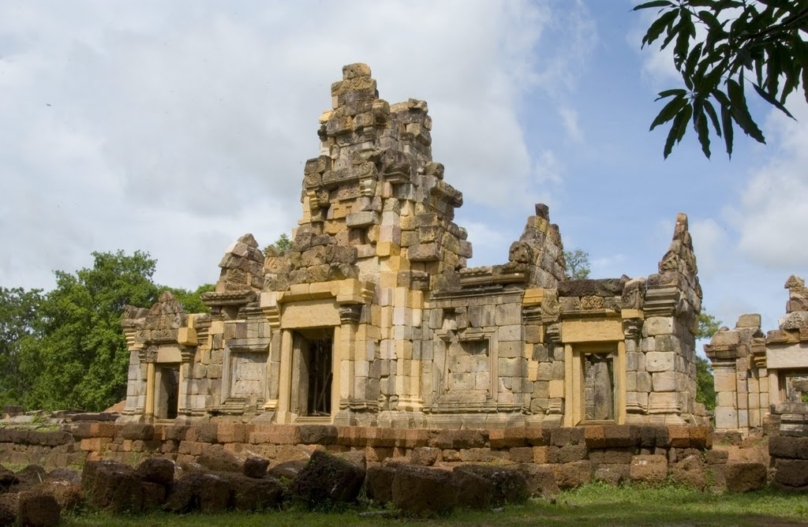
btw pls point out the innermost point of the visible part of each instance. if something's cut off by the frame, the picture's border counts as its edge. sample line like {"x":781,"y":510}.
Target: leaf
{"x":656,"y":28}
{"x":655,"y":3}
{"x":700,"y":123}
{"x":771,"y":100}
{"x":708,"y":107}
{"x":677,"y":130}
{"x":740,"y":112}
{"x":726,"y":120}
{"x":669,"y":111}
{"x":668,"y":93}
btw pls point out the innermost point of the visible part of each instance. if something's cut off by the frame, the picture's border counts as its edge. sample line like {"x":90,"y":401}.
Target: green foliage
{"x":708,"y":325}
{"x":191,"y":301}
{"x":80,"y":359}
{"x":745,"y":43}
{"x":282,"y":244}
{"x":18,"y":316}
{"x":577,"y":264}
{"x":705,"y":383}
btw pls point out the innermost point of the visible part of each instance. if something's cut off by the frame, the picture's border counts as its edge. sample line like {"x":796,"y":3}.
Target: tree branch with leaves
{"x":746,"y":43}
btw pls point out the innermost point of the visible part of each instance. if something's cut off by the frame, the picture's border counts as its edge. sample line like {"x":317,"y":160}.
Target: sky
{"x":176,"y":127}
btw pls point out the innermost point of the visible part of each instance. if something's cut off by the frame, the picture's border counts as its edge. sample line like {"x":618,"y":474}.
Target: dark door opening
{"x":317,"y":357}
{"x":169,"y":392}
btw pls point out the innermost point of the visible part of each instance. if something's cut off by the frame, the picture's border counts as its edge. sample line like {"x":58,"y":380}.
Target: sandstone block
{"x":473,"y":491}
{"x":327,"y":479}
{"x":571,"y":475}
{"x":649,"y":469}
{"x":423,"y":492}
{"x":745,"y":477}
{"x":791,"y":473}
{"x":509,"y":485}
{"x":656,"y":361}
{"x":379,"y":483}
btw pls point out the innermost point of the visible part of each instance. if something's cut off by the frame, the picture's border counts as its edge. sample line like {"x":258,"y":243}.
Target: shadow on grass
{"x":593,"y":505}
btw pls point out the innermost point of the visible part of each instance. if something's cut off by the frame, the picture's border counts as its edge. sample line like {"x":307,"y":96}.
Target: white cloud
{"x":712,"y":247}
{"x":569,"y":118}
{"x":772,"y":212}
{"x":175,"y":128}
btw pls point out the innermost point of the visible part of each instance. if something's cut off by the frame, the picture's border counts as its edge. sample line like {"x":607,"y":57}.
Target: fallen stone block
{"x":327,"y":480}
{"x":217,"y":459}
{"x":112,"y":486}
{"x":423,"y":492}
{"x":204,"y":492}
{"x":424,"y":456}
{"x":745,"y":477}
{"x":157,"y":470}
{"x":255,"y":467}
{"x":612,"y":474}
{"x":540,"y":481}
{"x":379,"y":483}
{"x":38,"y":509}
{"x":509,"y":485}
{"x":253,"y":494}
{"x":690,"y":472}
{"x":288,"y":469}
{"x":153,"y":495}
{"x":473,"y":491}
{"x":67,"y":494}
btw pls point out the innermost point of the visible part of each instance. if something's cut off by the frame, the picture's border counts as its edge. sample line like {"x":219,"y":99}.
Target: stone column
{"x":352,"y":372}
{"x":151,"y":356}
{"x":285,"y":384}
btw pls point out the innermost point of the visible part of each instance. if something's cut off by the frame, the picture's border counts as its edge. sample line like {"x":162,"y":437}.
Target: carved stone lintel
{"x":350,"y":313}
{"x":149,"y":354}
{"x":661,"y":302}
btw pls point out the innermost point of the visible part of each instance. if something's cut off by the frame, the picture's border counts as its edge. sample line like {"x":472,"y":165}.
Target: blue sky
{"x":176,"y":128}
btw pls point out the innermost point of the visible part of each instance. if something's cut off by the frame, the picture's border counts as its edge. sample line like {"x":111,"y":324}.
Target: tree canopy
{"x":65,"y":349}
{"x":577,"y":264}
{"x":721,"y":48}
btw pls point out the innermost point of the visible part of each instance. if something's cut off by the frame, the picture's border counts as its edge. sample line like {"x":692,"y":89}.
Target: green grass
{"x":593,"y":505}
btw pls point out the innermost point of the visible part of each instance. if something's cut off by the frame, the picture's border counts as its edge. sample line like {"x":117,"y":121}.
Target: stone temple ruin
{"x":759,"y":377}
{"x":373,"y":317}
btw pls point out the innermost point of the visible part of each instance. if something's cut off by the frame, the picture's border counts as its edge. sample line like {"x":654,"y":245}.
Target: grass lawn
{"x":591,"y":505}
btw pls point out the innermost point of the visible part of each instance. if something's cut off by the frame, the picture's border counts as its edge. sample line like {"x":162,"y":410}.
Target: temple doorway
{"x":313,"y":372}
{"x":168,"y":392}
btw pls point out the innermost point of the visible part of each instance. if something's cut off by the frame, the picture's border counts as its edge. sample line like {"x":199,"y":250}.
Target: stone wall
{"x":755,"y":372}
{"x":587,"y":448}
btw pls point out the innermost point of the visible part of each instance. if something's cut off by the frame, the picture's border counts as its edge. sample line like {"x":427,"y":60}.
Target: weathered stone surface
{"x":153,"y":495}
{"x":8,"y":509}
{"x":425,"y":456}
{"x":67,"y":494}
{"x":379,"y":483}
{"x":745,"y":477}
{"x":473,"y":490}
{"x":252,"y":494}
{"x":509,"y":485}
{"x":199,"y":491}
{"x":38,"y":509}
{"x":649,"y":469}
{"x":112,"y":486}
{"x":689,"y":471}
{"x":217,"y":459}
{"x":572,"y":475}
{"x":612,"y":474}
{"x":423,"y":492}
{"x":157,"y":470}
{"x":327,"y":480}
{"x":255,"y":467}
{"x":791,"y":473}
{"x":288,"y":469}
{"x":540,"y":481}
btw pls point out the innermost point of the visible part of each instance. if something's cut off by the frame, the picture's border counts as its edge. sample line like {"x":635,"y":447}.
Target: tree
{"x":705,"y":382}
{"x":18,"y":314}
{"x":80,"y":359}
{"x":577,"y":264}
{"x":191,"y":301}
{"x":282,"y":244}
{"x":721,"y":47}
